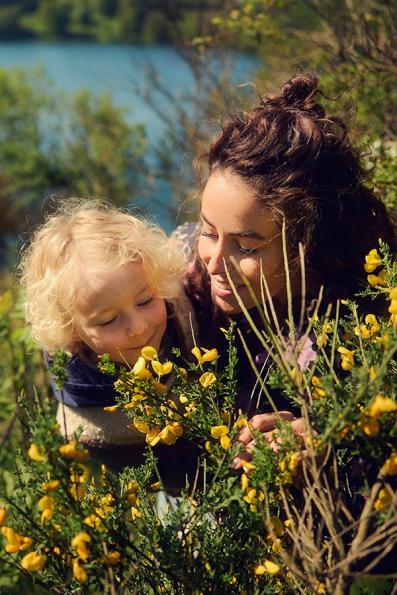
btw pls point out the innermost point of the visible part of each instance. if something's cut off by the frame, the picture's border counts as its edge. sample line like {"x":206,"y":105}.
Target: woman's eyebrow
{"x":252,"y":235}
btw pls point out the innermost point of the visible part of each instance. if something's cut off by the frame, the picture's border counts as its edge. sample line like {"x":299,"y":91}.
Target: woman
{"x":284,"y":162}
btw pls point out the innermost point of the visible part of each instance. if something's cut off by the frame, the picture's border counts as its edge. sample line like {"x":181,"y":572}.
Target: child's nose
{"x":136,"y":325}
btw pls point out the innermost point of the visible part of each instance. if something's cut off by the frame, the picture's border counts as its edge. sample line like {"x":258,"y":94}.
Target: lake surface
{"x":121,"y":70}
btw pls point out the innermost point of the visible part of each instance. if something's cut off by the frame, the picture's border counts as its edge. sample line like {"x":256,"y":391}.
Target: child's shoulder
{"x":84,"y":386}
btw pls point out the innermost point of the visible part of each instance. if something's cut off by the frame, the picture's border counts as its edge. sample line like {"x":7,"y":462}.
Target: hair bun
{"x":300,"y":90}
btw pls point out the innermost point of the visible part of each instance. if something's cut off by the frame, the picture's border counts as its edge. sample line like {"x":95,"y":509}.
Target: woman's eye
{"x":207,"y":234}
{"x":247,"y":250}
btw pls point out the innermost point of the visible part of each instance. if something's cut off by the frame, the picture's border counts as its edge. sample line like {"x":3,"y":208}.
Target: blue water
{"x":121,"y":70}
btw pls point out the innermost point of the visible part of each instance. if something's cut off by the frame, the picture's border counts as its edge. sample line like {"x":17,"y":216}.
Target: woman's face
{"x":235,"y":225}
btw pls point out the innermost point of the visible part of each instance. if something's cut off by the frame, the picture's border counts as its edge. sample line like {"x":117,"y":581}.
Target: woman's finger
{"x":263,"y":422}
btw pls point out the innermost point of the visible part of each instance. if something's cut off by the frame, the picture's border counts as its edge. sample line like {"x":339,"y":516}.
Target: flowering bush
{"x":310,"y":512}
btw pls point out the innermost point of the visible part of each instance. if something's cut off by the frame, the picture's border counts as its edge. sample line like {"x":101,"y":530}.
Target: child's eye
{"x":107,"y":322}
{"x":146,"y":302}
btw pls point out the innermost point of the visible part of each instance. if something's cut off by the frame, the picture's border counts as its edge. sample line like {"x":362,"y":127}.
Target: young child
{"x":98,"y":281}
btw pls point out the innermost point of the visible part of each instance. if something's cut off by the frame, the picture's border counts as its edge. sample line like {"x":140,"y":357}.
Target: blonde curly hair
{"x":93,"y":236}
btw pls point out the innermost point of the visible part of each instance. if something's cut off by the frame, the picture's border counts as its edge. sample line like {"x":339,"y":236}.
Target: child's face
{"x":118,"y":313}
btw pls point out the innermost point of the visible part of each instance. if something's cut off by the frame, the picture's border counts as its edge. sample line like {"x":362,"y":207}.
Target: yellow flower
{"x":225,"y":442}
{"x":153,"y":436}
{"x":207,"y":379}
{"x":219,"y":431}
{"x":267,"y":567}
{"x":149,"y":352}
{"x":347,"y":358}
{"x":318,"y":392}
{"x":393,"y":293}
{"x":80,"y":474}
{"x":385,"y":498}
{"x":372,"y":261}
{"x":320,"y":589}
{"x":393,"y":319}
{"x":155,"y":485}
{"x":183,"y":399}
{"x":111,"y":409}
{"x":363,"y":331}
{"x":393,"y":307}
{"x":380,"y":405}
{"x":208,"y":446}
{"x":15,"y":541}
{"x":135,"y":512}
{"x":51,"y":486}
{"x":247,"y":465}
{"x":46,"y":503}
{"x":139,"y":370}
{"x":390,"y":465}
{"x":141,"y":426}
{"x":376,"y":280}
{"x":33,"y":561}
{"x":372,"y":323}
{"x":162,"y":369}
{"x":79,"y":572}
{"x":250,"y":496}
{"x":112,"y":558}
{"x":79,"y":543}
{"x":36,"y":453}
{"x":370,"y":427}
{"x":3,"y":515}
{"x":209,"y":355}
{"x":93,"y":520}
{"x":244,"y":482}
{"x":276,"y":525}
{"x":70,"y":451}
{"x":191,"y":408}
{"x":46,"y":515}
{"x":322,"y":338}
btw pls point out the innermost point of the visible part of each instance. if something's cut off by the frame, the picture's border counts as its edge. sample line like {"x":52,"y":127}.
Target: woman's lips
{"x":223,"y":290}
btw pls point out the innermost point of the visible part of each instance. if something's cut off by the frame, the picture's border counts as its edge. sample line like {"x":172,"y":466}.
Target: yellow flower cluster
{"x":369,"y":422}
{"x":390,"y":465}
{"x":318,"y":391}
{"x":3,"y":515}
{"x":73,"y":452}
{"x":266,"y":567}
{"x":32,"y":561}
{"x":132,"y":498}
{"x":221,"y":433}
{"x":372,"y":262}
{"x":347,"y":358}
{"x":369,"y":329}
{"x":204,"y":355}
{"x":46,"y":505}
{"x":385,"y":498}
{"x":393,"y":306}
{"x":322,"y":338}
{"x":15,"y":542}
{"x":36,"y":453}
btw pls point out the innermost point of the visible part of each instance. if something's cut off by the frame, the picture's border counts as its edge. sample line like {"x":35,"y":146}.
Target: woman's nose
{"x":215,"y":261}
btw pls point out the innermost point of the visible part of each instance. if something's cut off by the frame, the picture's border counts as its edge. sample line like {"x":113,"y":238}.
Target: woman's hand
{"x":266,"y":423}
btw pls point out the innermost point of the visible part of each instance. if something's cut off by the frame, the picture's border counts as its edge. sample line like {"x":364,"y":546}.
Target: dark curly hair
{"x":304,"y":169}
